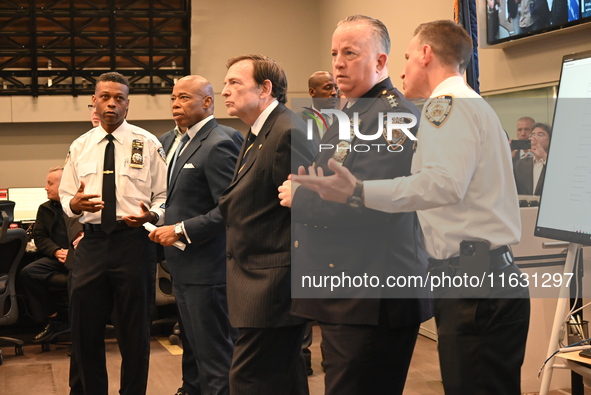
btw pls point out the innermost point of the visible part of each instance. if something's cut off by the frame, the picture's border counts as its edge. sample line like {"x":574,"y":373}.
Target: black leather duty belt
{"x":500,"y":258}
{"x":119,"y":225}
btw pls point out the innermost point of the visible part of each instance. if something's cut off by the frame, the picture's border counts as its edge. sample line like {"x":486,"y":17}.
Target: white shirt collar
{"x":117,"y":133}
{"x":260,"y":121}
{"x":197,"y":127}
{"x":177,"y":132}
{"x":447,"y":85}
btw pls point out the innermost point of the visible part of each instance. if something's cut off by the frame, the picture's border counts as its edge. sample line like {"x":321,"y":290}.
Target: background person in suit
{"x":368,"y":339}
{"x":201,"y":169}
{"x":530,"y":171}
{"x":524,"y":128}
{"x":52,"y":233}
{"x":323,"y":91}
{"x":267,"y":355}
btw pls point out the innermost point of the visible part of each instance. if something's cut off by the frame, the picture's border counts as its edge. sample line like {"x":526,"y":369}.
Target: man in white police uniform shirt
{"x":463,"y":190}
{"x":114,"y":180}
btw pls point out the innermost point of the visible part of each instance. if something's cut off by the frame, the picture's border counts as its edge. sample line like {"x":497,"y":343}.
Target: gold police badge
{"x":438,"y":110}
{"x":398,"y":136}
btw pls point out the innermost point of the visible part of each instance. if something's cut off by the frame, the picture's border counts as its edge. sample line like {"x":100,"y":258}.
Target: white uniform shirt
{"x":462,"y":184}
{"x":85,"y":163}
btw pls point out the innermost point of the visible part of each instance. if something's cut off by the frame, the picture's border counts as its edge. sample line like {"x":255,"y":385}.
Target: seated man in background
{"x":51,"y":235}
{"x":530,"y":171}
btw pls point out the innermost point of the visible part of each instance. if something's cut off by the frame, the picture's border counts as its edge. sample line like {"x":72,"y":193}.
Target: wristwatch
{"x":355,"y":200}
{"x":178,"y":229}
{"x":156,"y":218}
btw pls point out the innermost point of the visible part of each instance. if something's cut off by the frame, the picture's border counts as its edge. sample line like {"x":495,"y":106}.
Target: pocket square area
{"x":188,"y":166}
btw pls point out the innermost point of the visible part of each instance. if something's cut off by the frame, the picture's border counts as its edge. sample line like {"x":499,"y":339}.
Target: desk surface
{"x":574,"y":356}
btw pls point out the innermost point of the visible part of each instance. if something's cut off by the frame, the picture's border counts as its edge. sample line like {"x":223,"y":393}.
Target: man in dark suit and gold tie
{"x":200,"y":170}
{"x":267,"y":355}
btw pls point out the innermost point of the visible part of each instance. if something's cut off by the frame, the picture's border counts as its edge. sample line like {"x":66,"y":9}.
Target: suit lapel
{"x":167,"y":142}
{"x":258,"y":145}
{"x":530,"y":177}
{"x":540,"y":184}
{"x":189,"y":150}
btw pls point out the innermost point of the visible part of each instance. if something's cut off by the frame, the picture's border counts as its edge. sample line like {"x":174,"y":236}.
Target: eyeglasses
{"x":539,"y":134}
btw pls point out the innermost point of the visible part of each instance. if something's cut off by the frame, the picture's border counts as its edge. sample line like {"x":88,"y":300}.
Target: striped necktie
{"x":249,"y":144}
{"x":177,"y":153}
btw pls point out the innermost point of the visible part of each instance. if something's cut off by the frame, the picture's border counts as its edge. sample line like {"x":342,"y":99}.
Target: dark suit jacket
{"x":258,"y":227}
{"x":168,"y":138}
{"x":332,"y":238}
{"x":523,"y":169}
{"x":44,"y":231}
{"x":201,"y":174}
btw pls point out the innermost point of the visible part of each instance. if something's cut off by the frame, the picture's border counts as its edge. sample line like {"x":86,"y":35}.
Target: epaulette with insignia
{"x":390,"y":98}
{"x":438,"y":109}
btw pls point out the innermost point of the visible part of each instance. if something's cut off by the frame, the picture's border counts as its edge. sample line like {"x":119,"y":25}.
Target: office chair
{"x":58,"y":287}
{"x":12,"y":247}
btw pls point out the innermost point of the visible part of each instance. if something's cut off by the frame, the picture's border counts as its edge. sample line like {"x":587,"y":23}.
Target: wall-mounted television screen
{"x":511,"y":19}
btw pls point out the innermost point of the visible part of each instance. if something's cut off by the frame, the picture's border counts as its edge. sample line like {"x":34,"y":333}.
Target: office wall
{"x":35,"y":132}
{"x":529,"y":62}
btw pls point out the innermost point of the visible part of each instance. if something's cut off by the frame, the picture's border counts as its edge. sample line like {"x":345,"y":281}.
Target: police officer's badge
{"x":137,"y":154}
{"x":341,"y":152}
{"x":438,"y":110}
{"x":398,"y":136}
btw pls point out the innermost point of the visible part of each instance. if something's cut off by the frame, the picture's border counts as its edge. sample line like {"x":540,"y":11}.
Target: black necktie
{"x":109,"y":212}
{"x":177,"y":153}
{"x":249,"y":144}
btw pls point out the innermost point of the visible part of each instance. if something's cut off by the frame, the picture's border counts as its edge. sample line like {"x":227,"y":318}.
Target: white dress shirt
{"x":178,"y":135}
{"x":462,"y":184}
{"x":260,"y":121}
{"x":133,"y":185}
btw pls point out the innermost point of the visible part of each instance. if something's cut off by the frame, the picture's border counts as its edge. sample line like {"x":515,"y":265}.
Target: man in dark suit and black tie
{"x":267,"y":355}
{"x":200,"y":170}
{"x":323,"y":91}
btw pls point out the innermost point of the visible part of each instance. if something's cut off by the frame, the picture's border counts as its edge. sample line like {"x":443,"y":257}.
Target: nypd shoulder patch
{"x":438,"y":110}
{"x":162,"y":154}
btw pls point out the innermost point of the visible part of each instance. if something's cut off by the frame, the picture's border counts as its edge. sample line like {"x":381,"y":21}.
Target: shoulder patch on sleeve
{"x":438,"y":110}
{"x":162,"y":154}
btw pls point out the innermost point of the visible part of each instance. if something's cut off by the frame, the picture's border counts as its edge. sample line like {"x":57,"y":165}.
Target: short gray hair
{"x":379,"y":30}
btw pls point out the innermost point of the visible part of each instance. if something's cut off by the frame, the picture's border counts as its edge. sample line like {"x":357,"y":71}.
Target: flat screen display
{"x":507,"y":20}
{"x":565,"y":204}
{"x":27,"y":202}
